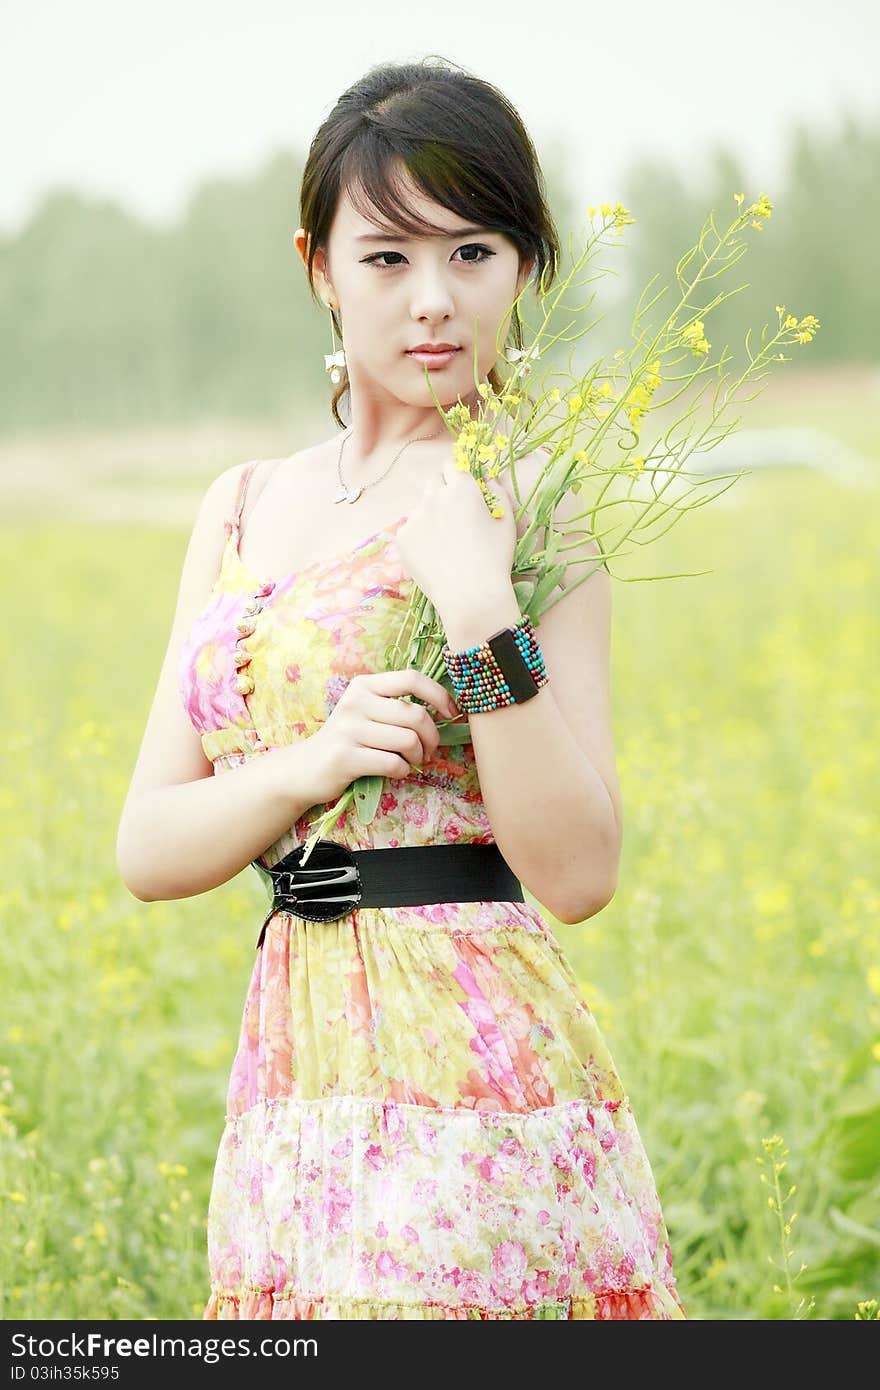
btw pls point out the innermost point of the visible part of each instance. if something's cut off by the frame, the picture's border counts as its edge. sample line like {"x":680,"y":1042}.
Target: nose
{"x":431,"y":299}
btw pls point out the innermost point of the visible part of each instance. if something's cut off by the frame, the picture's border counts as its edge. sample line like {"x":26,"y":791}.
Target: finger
{"x":400,"y":739}
{"x":408,"y":681}
{"x":390,"y":709}
{"x":404,"y":714}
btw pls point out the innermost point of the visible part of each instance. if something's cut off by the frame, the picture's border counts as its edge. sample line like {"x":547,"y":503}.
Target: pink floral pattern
{"x":423,"y":1119}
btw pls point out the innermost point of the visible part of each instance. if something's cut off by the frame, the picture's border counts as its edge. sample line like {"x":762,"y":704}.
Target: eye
{"x":470,"y":246}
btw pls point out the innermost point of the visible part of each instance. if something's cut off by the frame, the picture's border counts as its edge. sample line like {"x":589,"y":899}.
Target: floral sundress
{"x":423,"y":1119}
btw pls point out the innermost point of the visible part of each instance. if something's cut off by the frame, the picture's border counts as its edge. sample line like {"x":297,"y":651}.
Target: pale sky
{"x":138,"y":101}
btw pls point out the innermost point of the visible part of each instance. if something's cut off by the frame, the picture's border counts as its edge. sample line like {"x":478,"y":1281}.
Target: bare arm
{"x":176,"y":842}
{"x":184,"y":831}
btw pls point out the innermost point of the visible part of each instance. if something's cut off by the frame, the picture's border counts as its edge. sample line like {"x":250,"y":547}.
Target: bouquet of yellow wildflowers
{"x":591,"y":428}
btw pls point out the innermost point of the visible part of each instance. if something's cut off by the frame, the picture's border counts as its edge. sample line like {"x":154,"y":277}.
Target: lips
{"x":434,"y":360}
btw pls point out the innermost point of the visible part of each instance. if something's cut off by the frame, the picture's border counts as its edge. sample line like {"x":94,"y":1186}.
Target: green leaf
{"x":547,"y":583}
{"x":453,"y":734}
{"x":524,"y":590}
{"x":853,"y":1228}
{"x":367,"y":793}
{"x":524,"y":550}
{"x":856,"y":1143}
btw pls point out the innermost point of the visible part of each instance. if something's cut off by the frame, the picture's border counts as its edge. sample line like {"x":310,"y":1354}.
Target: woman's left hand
{"x":451,"y":544}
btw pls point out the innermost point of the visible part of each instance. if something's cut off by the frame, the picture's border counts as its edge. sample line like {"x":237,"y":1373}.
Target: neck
{"x":376,"y":433}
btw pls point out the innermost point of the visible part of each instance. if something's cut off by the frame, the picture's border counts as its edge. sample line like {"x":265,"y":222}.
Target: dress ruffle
{"x":544,"y":1212}
{"x":659,"y":1303}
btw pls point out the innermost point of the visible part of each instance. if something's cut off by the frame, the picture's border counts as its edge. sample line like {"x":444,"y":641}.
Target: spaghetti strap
{"x":234,"y":526}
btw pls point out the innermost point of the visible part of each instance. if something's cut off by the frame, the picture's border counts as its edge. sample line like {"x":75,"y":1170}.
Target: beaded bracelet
{"x":506,"y":669}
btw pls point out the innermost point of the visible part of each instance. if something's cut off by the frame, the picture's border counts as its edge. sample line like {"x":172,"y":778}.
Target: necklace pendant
{"x":346,"y":496}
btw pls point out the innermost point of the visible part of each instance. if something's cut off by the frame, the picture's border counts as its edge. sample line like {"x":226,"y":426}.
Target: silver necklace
{"x":348,"y":495}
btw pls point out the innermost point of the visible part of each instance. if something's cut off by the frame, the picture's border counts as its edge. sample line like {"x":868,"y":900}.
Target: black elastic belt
{"x":336,"y":880}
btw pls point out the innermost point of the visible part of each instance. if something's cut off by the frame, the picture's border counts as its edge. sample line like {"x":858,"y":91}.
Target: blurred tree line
{"x":108,"y":321}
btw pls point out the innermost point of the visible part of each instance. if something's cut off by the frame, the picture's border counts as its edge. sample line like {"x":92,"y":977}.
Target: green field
{"x":735,"y":975}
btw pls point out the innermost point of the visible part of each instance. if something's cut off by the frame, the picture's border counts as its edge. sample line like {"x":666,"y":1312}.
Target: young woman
{"x":423,"y":1119}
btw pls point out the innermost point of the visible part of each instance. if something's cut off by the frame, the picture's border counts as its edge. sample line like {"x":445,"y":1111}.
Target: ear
{"x":302,"y":241}
{"x":524,"y":273}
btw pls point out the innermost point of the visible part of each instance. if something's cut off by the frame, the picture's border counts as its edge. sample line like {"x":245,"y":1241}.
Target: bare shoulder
{"x":218,"y":499}
{"x":263,"y":470}
{"x":290,"y":466}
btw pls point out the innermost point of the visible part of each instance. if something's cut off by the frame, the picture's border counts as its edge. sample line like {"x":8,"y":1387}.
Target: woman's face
{"x":393,"y":293}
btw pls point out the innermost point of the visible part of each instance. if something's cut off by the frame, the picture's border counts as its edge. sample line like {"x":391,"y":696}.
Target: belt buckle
{"x":327,"y":887}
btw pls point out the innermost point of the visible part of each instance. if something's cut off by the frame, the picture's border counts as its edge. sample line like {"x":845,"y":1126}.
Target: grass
{"x":735,"y":975}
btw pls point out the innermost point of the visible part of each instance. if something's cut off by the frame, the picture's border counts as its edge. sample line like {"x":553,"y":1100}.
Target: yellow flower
{"x":772,"y":900}
{"x":554,"y":394}
{"x":762,"y":208}
{"x":501,"y":440}
{"x":574,"y":403}
{"x":694,"y":337}
{"x":874,"y":979}
{"x":168,"y":1170}
{"x":459,"y":414}
{"x":16,"y":1196}
{"x":807,"y":325}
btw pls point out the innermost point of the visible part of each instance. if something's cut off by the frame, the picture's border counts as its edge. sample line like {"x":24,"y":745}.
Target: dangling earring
{"x":334,"y":360}
{"x":527,"y":356}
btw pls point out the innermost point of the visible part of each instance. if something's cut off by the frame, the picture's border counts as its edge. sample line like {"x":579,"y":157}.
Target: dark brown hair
{"x":464,"y":146}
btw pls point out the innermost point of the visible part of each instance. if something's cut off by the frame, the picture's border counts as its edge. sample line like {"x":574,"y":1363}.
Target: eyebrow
{"x":389,"y":236}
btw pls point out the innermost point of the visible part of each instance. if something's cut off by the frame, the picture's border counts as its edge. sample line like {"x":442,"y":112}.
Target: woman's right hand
{"x":372,"y":732}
